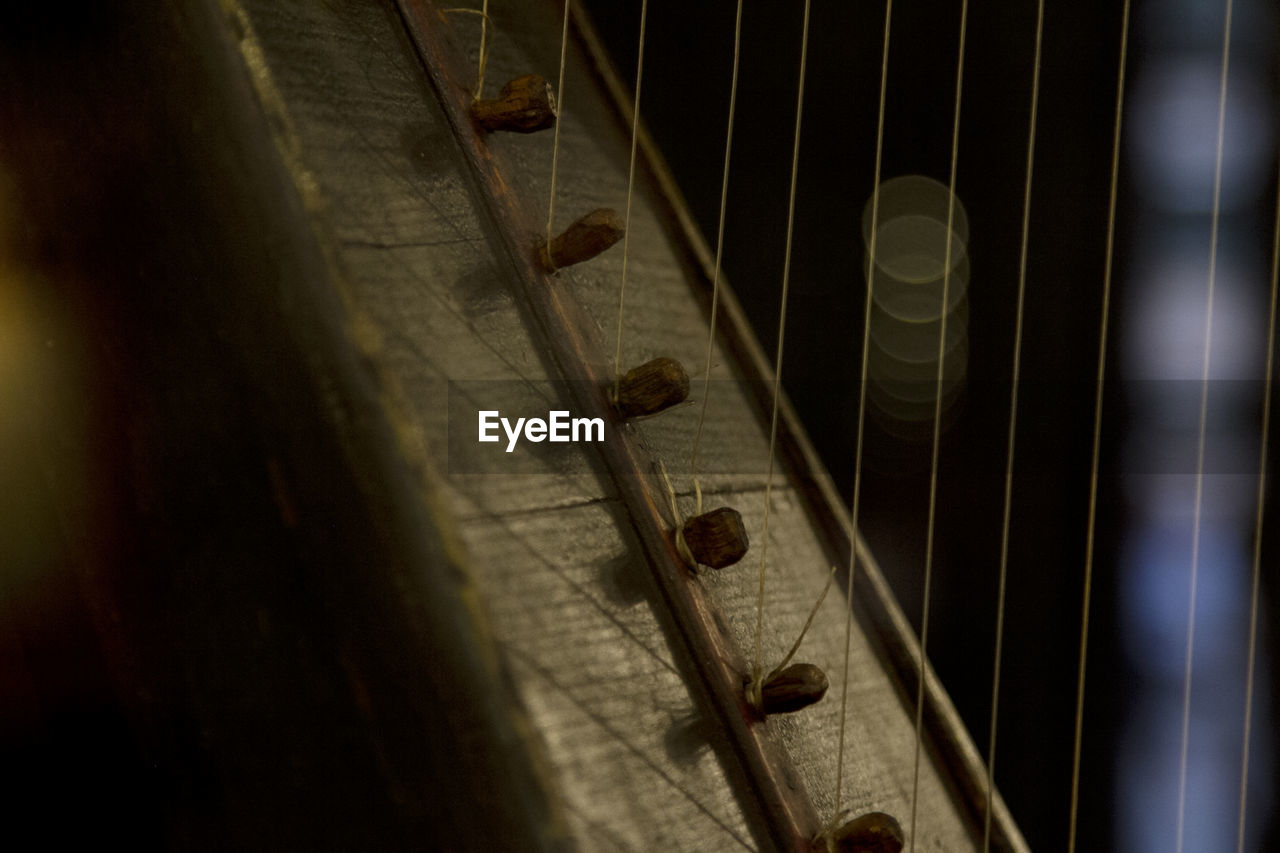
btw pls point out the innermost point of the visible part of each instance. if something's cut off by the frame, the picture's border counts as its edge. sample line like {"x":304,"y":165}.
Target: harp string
{"x":1251,"y":655}
{"x":757,"y":669}
{"x":555,"y":144}
{"x":862,"y":405}
{"x":1200,"y":441}
{"x":1090,"y":536}
{"x":484,"y":50}
{"x":631,"y":183}
{"x":937,"y":429}
{"x":483,"y":59}
{"x":715,"y":276}
{"x":1091,"y":523}
{"x":1013,"y":429}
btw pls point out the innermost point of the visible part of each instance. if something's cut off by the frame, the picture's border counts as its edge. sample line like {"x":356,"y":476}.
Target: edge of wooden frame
{"x":873,"y":598}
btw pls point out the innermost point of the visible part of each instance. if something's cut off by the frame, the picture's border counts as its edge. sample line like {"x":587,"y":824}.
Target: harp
{"x":319,"y":610}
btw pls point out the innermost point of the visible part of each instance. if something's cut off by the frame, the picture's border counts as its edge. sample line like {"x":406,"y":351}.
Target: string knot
{"x":755,"y":688}
{"x":682,"y":548}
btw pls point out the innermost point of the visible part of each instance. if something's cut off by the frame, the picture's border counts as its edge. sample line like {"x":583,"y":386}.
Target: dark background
{"x":685,"y":104}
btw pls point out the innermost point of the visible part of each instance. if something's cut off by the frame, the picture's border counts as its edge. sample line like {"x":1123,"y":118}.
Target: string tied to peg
{"x":525,"y":105}
{"x":587,"y":237}
{"x":717,"y":539}
{"x":790,"y":688}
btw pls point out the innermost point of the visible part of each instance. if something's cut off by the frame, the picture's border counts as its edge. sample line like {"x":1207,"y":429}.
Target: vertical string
{"x":715,"y":278}
{"x":1091,"y":524}
{"x":1204,"y":410}
{"x":555,"y":144}
{"x":631,"y":182}
{"x":1257,"y":530}
{"x":808,"y":623}
{"x":862,"y":404}
{"x":1013,"y":429}
{"x":484,"y":50}
{"x":937,"y":426}
{"x":777,"y":369}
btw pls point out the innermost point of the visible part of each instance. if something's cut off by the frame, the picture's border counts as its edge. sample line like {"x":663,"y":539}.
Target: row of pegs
{"x":716,"y":539}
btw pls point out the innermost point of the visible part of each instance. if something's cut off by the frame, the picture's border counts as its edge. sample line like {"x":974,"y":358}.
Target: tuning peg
{"x":796,"y":687}
{"x":525,"y":105}
{"x":652,"y":387}
{"x":582,"y":240}
{"x":717,"y":538}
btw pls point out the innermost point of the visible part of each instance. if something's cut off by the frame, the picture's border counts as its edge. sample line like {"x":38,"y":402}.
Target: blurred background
{"x":1146,"y":496}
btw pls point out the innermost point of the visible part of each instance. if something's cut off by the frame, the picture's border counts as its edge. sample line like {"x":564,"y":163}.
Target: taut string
{"x":1257,"y":529}
{"x":1091,"y":526}
{"x":1013,"y":429}
{"x":757,"y":670}
{"x":631,"y":183}
{"x":715,"y":277}
{"x":1200,"y":440}
{"x":862,"y":406}
{"x":937,"y":426}
{"x":555,"y":144}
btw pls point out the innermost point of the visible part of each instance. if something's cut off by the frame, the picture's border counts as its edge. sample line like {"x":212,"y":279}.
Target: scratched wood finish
{"x":558,"y":567}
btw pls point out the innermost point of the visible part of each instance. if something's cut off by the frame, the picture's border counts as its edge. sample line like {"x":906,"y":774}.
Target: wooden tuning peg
{"x":583,"y":240}
{"x":717,"y":538}
{"x":653,"y":386}
{"x":796,"y":687}
{"x":874,"y":832}
{"x":525,"y":105}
